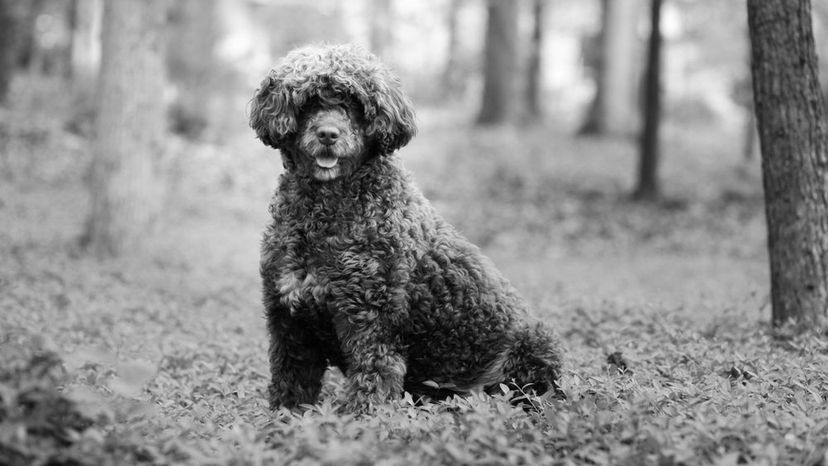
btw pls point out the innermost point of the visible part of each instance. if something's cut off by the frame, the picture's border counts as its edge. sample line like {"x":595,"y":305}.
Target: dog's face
{"x":330,"y":142}
{"x":330,"y":108}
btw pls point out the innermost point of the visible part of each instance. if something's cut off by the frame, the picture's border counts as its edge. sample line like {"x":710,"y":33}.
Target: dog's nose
{"x":327,"y":135}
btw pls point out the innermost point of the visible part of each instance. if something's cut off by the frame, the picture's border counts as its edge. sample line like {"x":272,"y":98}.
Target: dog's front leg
{"x":296,"y":361}
{"x":376,"y":364}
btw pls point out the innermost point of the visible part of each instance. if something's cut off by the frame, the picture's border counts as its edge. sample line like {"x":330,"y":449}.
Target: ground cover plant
{"x":159,"y":357}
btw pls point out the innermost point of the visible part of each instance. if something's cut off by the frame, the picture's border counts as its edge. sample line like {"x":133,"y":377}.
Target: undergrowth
{"x":159,"y":357}
{"x":642,"y":388}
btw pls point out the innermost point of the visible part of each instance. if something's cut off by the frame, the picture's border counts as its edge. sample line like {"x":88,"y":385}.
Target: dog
{"x":358,"y":270}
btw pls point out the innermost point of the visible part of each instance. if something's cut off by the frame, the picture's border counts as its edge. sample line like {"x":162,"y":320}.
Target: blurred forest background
{"x":618,"y":189}
{"x":532,"y":117}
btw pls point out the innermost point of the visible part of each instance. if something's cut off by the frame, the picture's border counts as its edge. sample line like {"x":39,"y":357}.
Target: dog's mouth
{"x":326,"y":160}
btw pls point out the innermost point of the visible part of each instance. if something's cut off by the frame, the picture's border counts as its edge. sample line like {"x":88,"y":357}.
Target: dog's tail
{"x":533,"y":362}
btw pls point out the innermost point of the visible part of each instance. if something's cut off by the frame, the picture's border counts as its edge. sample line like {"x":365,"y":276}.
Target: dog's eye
{"x":309,"y":110}
{"x":355,"y":111}
{"x":354,"y":106}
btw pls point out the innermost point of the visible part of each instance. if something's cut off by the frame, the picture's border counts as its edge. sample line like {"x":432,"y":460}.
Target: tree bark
{"x":647,"y":188}
{"x":792,"y":137}
{"x":86,"y":41}
{"x":124,"y":186}
{"x":452,"y":73}
{"x":192,"y":66}
{"x":9,"y":23}
{"x":616,"y":83}
{"x":533,"y":71}
{"x":500,"y":63}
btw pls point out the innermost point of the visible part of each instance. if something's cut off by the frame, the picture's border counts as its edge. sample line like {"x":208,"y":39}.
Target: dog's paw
{"x":360,"y":401}
{"x":282,"y":395}
{"x":363,"y":394}
{"x":277,"y":400}
{"x":358,"y":406}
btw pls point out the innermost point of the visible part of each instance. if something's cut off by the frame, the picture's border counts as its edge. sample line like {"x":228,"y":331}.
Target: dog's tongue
{"x":326,"y":161}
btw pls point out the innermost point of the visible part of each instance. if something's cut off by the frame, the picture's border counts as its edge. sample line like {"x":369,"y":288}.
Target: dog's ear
{"x":393,"y":123}
{"x":272,"y":114}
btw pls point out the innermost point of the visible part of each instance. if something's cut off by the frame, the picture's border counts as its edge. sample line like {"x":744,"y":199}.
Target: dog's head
{"x":328,"y":108}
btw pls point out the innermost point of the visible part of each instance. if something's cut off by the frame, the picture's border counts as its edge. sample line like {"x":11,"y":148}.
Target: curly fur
{"x":341,"y":70}
{"x":358,"y":270}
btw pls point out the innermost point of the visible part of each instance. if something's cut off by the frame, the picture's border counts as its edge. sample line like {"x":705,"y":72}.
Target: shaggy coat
{"x":358,"y":270}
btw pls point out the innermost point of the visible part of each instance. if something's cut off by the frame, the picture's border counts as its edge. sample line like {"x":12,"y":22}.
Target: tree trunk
{"x":647,"y":188}
{"x":533,"y":108}
{"x":86,"y":41}
{"x":192,"y":35}
{"x":123,"y":181}
{"x":8,"y":46}
{"x":500,"y":63}
{"x":792,"y":137}
{"x":380,"y":16}
{"x":617,"y":77}
{"x":452,"y":73}
{"x":749,"y":145}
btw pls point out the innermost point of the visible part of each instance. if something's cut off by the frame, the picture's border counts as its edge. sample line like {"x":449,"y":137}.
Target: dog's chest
{"x":331,"y":244}
{"x":300,"y":272}
{"x":309,"y":262}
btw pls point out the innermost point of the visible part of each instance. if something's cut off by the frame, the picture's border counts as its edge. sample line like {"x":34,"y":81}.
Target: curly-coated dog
{"x":358,"y":270}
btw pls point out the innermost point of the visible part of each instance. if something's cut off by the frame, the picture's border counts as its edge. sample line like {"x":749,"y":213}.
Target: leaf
{"x":132,"y":376}
{"x":456,"y":453}
{"x":88,"y":402}
{"x":88,"y":355}
{"x":137,"y":372}
{"x":729,"y":459}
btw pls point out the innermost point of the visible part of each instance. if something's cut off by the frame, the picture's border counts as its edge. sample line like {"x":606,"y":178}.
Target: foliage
{"x":726,"y":392}
{"x":160,"y":357}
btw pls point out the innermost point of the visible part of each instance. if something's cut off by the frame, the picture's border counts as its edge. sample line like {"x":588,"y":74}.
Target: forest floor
{"x":159,"y":356}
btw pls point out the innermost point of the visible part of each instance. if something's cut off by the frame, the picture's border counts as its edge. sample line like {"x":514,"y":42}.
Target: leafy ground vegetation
{"x":159,"y":357}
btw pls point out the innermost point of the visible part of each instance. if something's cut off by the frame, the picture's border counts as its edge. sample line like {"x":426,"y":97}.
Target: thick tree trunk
{"x":123,"y":181}
{"x":9,"y":23}
{"x":792,"y":136}
{"x":500,"y":63}
{"x":749,"y":144}
{"x":192,"y":66}
{"x":614,"y":104}
{"x":533,"y":71}
{"x":86,"y":40}
{"x":647,"y":187}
